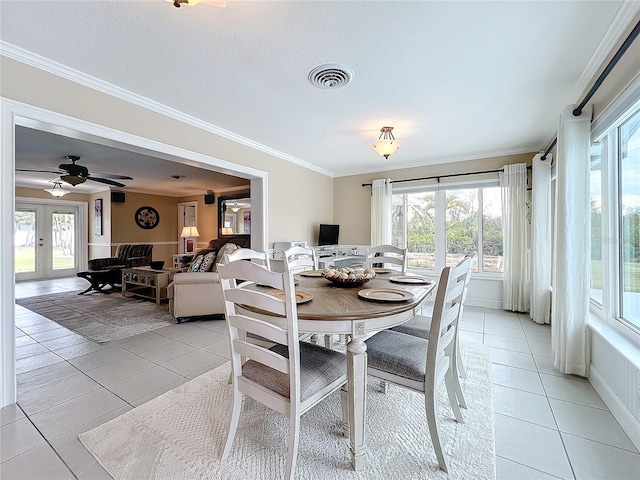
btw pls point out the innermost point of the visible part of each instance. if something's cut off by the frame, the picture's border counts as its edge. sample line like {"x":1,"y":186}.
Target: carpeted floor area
{"x":179,"y":435}
{"x":100,"y":317}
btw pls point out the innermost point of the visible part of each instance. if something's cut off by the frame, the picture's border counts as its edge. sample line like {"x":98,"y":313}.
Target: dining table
{"x":341,"y":310}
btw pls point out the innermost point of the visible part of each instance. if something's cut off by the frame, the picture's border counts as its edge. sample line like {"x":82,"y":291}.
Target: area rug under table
{"x":100,"y":317}
{"x":180,"y":434}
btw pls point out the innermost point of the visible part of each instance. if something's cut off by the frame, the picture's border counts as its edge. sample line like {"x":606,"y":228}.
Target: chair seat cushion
{"x":399,"y":354}
{"x":418,"y":326}
{"x":319,"y":367}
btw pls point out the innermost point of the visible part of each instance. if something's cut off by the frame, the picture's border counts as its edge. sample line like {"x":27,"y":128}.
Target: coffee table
{"x":146,"y":282}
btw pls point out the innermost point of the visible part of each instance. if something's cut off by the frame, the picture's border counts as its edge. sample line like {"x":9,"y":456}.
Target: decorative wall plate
{"x":147,"y":217}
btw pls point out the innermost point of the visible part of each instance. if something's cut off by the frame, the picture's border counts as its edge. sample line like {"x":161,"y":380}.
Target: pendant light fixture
{"x":386,"y":143}
{"x":191,"y":3}
{"x":57,"y":190}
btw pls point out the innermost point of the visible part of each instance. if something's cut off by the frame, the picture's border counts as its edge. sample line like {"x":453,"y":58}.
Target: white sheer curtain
{"x":570,"y":298}
{"x":515,"y":283}
{"x":381,"y":212}
{"x":541,"y":240}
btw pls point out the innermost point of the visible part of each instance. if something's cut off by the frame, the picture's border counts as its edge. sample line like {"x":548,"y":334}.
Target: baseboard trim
{"x":621,"y":413}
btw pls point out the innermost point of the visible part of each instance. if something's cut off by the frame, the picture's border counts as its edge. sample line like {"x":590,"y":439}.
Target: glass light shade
{"x":191,"y":3}
{"x":57,"y":190}
{"x":189,"y":232}
{"x":385,"y":147}
{"x":235,"y":208}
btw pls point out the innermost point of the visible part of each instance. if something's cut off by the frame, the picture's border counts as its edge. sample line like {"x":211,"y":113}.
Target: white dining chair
{"x":419,"y":364}
{"x":289,"y":377}
{"x":299,"y":259}
{"x":386,"y":255}
{"x":420,"y":326}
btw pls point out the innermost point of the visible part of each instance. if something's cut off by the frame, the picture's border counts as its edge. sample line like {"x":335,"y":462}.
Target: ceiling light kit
{"x":57,"y":190}
{"x":386,"y":143}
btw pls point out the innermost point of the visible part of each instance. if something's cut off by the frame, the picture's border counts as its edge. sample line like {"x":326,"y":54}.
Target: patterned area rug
{"x":180,"y":434}
{"x":100,"y":317}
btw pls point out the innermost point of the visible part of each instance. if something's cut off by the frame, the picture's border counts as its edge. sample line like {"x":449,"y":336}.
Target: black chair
{"x":108,"y":271}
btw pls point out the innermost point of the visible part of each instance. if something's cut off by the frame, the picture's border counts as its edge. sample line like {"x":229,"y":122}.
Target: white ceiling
{"x":40,"y":150}
{"x":457,"y":80}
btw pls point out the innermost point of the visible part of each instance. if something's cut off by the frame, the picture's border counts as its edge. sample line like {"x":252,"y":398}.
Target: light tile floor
{"x":547,"y":425}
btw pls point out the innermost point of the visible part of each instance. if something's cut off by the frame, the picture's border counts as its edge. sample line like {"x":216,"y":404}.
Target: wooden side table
{"x":177,"y":259}
{"x":146,"y":283}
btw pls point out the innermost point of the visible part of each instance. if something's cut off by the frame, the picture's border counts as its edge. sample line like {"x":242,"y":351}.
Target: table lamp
{"x":190,"y":233}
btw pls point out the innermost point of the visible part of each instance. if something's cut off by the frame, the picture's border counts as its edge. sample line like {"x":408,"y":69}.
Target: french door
{"x":46,"y":239}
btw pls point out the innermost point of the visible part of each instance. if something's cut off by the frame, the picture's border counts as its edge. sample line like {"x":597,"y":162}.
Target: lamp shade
{"x":227,"y":230}
{"x":189,"y":232}
{"x":386,"y":143}
{"x":57,"y":190}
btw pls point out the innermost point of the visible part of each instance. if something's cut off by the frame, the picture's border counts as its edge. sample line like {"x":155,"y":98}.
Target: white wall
{"x":616,"y":377}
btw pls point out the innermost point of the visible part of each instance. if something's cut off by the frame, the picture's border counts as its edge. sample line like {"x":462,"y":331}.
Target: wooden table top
{"x":331,"y":302}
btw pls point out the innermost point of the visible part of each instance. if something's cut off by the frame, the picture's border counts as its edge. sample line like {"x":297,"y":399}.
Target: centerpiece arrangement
{"x":349,"y":277}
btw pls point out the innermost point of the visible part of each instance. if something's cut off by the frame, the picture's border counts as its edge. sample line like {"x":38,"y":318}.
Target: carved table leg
{"x":357,"y":390}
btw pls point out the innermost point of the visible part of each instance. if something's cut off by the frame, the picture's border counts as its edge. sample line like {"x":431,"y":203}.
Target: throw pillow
{"x":226,"y":249}
{"x":208,"y":262}
{"x":195,"y":265}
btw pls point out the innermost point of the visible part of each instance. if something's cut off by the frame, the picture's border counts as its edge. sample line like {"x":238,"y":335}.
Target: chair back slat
{"x":256,"y":299}
{"x":262,"y":355}
{"x":260,"y":258}
{"x":299,"y":259}
{"x":261,"y":328}
{"x":386,"y":254}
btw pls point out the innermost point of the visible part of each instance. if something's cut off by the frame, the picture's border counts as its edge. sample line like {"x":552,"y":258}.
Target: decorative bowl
{"x":349,"y":277}
{"x":157,"y":264}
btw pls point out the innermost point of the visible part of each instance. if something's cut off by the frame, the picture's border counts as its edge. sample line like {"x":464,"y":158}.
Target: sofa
{"x":195,"y":294}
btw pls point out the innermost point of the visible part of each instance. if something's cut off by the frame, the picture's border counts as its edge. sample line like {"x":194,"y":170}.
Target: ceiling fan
{"x":74,"y":174}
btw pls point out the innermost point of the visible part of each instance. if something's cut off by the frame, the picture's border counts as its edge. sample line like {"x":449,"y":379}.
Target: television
{"x":328,"y":234}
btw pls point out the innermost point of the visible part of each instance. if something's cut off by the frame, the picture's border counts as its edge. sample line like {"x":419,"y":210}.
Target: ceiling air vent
{"x":330,"y":76}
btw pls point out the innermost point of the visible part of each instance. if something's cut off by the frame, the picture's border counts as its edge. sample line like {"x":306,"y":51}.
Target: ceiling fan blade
{"x":58,"y":172}
{"x":110,"y":175}
{"x":107,"y":181}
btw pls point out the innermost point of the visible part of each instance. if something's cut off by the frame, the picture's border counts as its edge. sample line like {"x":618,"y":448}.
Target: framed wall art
{"x":97,"y":217}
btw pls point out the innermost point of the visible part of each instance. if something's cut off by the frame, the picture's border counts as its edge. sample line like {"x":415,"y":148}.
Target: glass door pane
{"x":63,"y":234}
{"x":25,"y":241}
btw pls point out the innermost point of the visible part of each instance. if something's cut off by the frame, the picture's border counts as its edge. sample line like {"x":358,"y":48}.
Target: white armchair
{"x":195,"y":294}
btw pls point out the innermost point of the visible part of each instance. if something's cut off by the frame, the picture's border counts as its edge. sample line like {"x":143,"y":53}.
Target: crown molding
{"x":32,"y":59}
{"x":442,"y":161}
{"x":627,"y":12}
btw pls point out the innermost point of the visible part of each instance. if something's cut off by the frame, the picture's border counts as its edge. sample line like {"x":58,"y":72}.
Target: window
{"x":629,"y":218}
{"x":595,"y":201}
{"x":615,"y":219}
{"x":469,"y":218}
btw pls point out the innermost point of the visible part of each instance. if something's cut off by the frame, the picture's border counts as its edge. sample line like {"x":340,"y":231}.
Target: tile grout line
{"x":46,"y":441}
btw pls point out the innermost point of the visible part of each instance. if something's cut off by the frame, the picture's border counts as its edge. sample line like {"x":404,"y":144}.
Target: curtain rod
{"x":612,"y":63}
{"x":438,"y":177}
